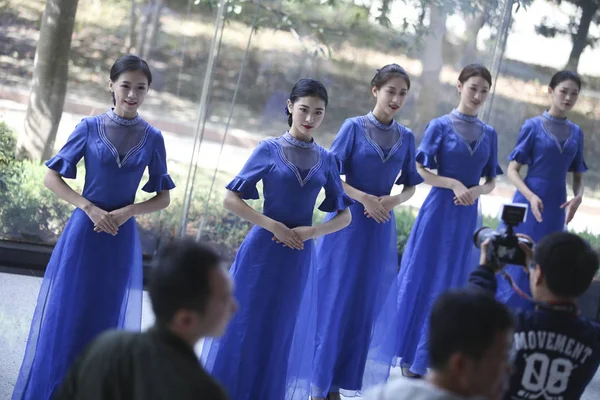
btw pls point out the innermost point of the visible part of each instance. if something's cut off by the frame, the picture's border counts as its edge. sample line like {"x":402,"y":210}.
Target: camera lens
{"x":481,"y":235}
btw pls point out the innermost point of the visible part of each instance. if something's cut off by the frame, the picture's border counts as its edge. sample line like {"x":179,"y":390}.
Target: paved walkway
{"x":19,"y":294}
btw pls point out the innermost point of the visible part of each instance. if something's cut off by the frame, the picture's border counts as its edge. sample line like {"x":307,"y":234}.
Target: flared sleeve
{"x":578,"y":164}
{"x":491,"y":168}
{"x":258,"y":164}
{"x":430,"y":145}
{"x":343,"y":144}
{"x":65,"y":162}
{"x":409,"y":175}
{"x":336,"y":198}
{"x":523,"y":151}
{"x":159,"y":178}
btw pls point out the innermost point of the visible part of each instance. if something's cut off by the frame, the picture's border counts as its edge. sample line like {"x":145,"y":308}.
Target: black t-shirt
{"x":154,"y":365}
{"x":556,"y":353}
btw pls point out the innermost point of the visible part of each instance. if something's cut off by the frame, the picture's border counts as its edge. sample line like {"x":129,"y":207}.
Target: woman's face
{"x":307,"y":115}
{"x":473,"y":93}
{"x":130,"y":91}
{"x":391,"y":96}
{"x":564,"y":96}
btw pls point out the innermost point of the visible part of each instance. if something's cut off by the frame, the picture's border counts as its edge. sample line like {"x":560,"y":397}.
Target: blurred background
{"x":223,"y":70}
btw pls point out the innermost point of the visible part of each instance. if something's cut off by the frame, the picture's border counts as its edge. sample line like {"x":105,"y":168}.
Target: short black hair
{"x":475,"y":70}
{"x":307,"y":87}
{"x":129,"y":62}
{"x":562,"y":76}
{"x":568,"y":263}
{"x":388,"y":72}
{"x":181,"y":278}
{"x":465,"y":321}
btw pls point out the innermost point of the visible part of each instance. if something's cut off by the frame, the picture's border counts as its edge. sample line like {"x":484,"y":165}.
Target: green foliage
{"x":27,"y":211}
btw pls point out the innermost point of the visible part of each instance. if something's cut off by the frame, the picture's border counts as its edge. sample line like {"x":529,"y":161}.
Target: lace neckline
{"x":123,"y":121}
{"x":556,"y":120}
{"x":379,"y":124}
{"x":464,"y":117}
{"x":298,"y":143}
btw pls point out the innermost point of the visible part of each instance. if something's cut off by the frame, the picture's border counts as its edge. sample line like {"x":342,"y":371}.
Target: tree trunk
{"x":143,"y":31}
{"x":50,"y":75}
{"x":473,"y":25}
{"x":432,"y":62}
{"x":588,"y":11}
{"x":132,"y":20}
{"x":154,"y":28}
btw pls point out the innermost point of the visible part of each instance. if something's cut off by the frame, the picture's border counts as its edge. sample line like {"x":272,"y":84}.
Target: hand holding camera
{"x":499,"y":248}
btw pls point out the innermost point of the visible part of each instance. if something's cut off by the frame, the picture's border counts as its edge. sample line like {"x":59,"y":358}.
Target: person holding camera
{"x":556,"y":351}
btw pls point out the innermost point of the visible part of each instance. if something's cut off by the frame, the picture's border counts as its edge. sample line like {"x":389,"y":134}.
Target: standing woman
{"x":93,"y":281}
{"x":358,"y":264}
{"x":551,"y":146}
{"x":438,"y":254}
{"x":260,"y":356}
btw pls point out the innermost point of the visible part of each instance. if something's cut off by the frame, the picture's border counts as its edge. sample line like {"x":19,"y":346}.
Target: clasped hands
{"x":464,"y":196}
{"x":378,"y":208}
{"x":108,"y":222}
{"x":292,"y":237}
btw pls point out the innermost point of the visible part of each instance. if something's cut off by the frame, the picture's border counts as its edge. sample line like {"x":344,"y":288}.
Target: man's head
{"x":563,"y":265}
{"x":470,"y":339}
{"x":191,"y":294}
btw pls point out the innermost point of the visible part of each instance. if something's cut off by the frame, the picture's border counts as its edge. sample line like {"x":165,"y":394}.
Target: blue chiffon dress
{"x":93,"y":281}
{"x":266,"y":352}
{"x":440,"y":253}
{"x":549,"y":156}
{"x":357,"y":265}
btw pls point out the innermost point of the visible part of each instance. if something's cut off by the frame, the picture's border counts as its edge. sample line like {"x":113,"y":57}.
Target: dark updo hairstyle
{"x":388,"y":72}
{"x":475,"y":70}
{"x":306,"y":87}
{"x":562,"y":76}
{"x":127,"y":63}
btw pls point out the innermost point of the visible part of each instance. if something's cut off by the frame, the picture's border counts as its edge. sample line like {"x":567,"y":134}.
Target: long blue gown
{"x":357,"y":265}
{"x":93,"y":281}
{"x":266,"y":352}
{"x":548,"y":158}
{"x":439,"y":254}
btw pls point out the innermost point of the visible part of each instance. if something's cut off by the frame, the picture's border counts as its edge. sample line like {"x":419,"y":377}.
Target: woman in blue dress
{"x":93,"y":281}
{"x":357,"y":265}
{"x":551,"y":146}
{"x":266,"y":352}
{"x":439,"y":252}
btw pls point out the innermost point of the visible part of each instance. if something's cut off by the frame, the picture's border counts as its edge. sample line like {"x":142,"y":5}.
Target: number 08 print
{"x":544,"y":377}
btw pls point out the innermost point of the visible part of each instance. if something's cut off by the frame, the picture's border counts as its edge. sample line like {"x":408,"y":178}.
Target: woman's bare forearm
{"x":340,"y":221}
{"x":57,"y":185}
{"x":235,"y":204}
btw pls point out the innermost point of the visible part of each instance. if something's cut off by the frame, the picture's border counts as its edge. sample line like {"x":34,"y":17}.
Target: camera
{"x":504,"y":244}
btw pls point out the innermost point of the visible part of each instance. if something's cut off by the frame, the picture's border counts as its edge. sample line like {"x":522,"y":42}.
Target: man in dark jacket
{"x":192,"y":298}
{"x":557,"y":352}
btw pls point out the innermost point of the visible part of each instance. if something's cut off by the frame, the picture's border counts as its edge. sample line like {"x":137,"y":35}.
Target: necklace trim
{"x":556,"y":120}
{"x":299,"y":143}
{"x":123,"y":121}
{"x":464,"y":117}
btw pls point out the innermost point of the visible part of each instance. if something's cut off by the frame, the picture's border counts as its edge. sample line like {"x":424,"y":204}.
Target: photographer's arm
{"x":484,"y":276}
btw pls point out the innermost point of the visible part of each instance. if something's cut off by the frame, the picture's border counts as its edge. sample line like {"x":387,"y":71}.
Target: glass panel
{"x":223,"y":71}
{"x":173,"y":36}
